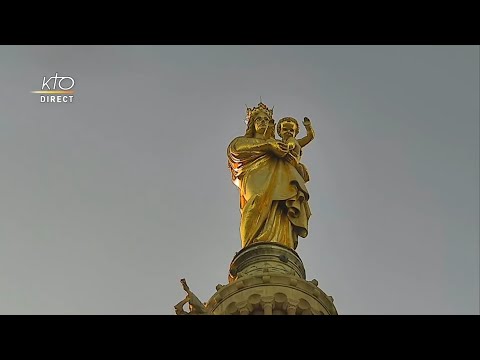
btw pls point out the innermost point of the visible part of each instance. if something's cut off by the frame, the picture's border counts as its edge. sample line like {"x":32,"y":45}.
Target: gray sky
{"x":107,"y":202}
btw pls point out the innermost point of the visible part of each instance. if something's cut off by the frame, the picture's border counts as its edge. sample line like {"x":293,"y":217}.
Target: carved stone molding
{"x":281,"y":295}
{"x":265,"y":259}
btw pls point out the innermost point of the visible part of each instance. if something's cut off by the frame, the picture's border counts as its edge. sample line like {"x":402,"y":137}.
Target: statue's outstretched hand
{"x":307,"y":122}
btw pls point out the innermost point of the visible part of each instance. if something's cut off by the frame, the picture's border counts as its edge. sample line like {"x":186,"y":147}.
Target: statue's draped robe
{"x":273,"y":197}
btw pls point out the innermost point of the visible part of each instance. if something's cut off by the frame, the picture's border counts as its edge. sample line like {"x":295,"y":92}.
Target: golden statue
{"x":271,"y":180}
{"x":267,"y":276}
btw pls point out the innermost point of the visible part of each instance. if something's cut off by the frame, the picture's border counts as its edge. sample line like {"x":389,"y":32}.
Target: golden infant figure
{"x":287,"y":129}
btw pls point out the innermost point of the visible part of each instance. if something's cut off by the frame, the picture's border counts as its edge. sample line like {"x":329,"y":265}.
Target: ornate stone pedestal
{"x":269,"y":279}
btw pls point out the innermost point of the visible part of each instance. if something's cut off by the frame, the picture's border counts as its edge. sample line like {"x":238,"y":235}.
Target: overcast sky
{"x":107,"y":202}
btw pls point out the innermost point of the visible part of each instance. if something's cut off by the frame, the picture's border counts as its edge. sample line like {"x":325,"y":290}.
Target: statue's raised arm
{"x":310,"y":132}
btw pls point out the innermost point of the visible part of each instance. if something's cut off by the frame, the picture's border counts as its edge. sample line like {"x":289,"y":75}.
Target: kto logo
{"x":61,"y":86}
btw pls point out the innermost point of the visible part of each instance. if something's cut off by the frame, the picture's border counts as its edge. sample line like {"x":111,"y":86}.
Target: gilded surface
{"x":271,"y":180}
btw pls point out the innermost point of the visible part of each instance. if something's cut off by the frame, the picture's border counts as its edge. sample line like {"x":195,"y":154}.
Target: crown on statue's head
{"x":260,"y":108}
